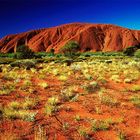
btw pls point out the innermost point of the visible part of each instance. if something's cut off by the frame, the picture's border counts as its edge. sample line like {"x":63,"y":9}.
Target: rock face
{"x":91,"y":37}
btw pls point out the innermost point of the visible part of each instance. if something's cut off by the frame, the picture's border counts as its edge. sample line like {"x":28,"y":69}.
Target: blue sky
{"x":22,"y":15}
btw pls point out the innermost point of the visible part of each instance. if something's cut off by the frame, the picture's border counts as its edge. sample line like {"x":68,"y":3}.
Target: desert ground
{"x":95,"y":99}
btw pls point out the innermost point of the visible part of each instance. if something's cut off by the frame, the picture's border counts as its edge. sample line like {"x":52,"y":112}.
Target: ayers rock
{"x":91,"y":37}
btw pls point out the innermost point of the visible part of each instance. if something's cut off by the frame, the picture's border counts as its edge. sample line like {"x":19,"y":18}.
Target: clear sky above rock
{"x":22,"y":15}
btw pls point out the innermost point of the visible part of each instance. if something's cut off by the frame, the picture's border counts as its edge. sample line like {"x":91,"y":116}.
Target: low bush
{"x":6,"y":60}
{"x":27,"y":64}
{"x":137,"y":53}
{"x":131,"y":50}
{"x":7,"y":55}
{"x":43,"y":54}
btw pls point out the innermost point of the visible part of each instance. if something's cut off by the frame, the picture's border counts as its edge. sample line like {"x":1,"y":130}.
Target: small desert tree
{"x":52,"y":52}
{"x":130,"y":51}
{"x":70,"y":48}
{"x":24,"y":52}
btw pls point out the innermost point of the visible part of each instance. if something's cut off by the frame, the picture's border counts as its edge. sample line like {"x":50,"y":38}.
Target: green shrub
{"x":40,"y":54}
{"x":23,"y":64}
{"x":52,"y":52}
{"x":2,"y":54}
{"x":44,"y":54}
{"x":9,"y":55}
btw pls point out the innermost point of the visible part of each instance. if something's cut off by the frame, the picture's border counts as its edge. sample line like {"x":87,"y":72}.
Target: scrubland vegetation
{"x":93,"y":96}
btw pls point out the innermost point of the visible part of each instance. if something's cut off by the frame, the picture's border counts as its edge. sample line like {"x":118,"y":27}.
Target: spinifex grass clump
{"x":107,"y":99}
{"x":77,"y":118}
{"x":84,"y":132}
{"x":63,"y":77}
{"x":51,"y":106}
{"x":26,"y":85}
{"x":69,"y":94}
{"x":115,"y":78}
{"x":19,"y":114}
{"x":135,"y":88}
{"x":53,"y":100}
{"x":29,"y":103}
{"x":102,"y":80}
{"x":50,"y":110}
{"x":43,"y":85}
{"x":20,"y":110}
{"x":128,"y":80}
{"x":15,"y":105}
{"x":121,"y":135}
{"x":135,"y":100}
{"x":91,"y":87}
{"x":98,"y":125}
{"x":6,"y":89}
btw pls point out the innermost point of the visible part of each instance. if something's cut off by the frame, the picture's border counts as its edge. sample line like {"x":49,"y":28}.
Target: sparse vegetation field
{"x":94,"y":97}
